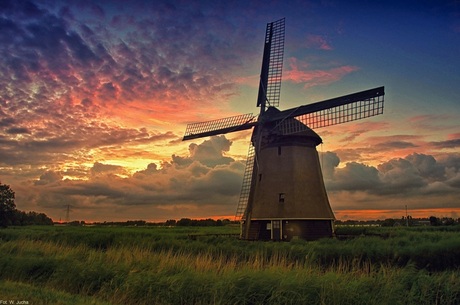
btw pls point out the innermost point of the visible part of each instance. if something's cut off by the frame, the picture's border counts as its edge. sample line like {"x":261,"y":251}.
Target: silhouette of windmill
{"x":283,"y":194}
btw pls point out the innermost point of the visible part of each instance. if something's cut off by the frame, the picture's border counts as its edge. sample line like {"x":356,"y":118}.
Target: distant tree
{"x":7,"y":206}
{"x":170,"y":222}
{"x":434,"y":221}
{"x":186,"y":222}
{"x":21,"y":218}
{"x":226,"y":221}
{"x":389,"y":222}
{"x":448,"y":221}
{"x":136,"y":223}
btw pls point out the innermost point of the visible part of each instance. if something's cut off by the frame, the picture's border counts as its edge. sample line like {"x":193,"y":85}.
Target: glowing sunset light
{"x":396,"y":214}
{"x":95,"y":97}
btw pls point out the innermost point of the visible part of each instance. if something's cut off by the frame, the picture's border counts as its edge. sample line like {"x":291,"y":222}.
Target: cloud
{"x":17,"y":130}
{"x":106,"y":169}
{"x":355,"y":177}
{"x":49,"y":177}
{"x":86,"y":83}
{"x":205,"y":178}
{"x":210,"y":152}
{"x":92,"y":97}
{"x":415,"y":177}
{"x":300,"y":72}
{"x":454,"y":143}
{"x":318,"y":42}
{"x":206,"y":183}
{"x":86,"y":88}
{"x":61,"y":68}
{"x":433,"y":122}
{"x":53,"y":143}
{"x":329,"y":161}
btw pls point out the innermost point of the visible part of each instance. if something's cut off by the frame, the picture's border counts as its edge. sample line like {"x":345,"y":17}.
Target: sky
{"x":95,"y":97}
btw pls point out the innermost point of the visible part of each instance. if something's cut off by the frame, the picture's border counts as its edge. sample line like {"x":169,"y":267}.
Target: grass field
{"x":161,"y":265}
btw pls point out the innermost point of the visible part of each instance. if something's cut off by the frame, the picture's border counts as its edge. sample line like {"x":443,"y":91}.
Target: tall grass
{"x":160,"y":266}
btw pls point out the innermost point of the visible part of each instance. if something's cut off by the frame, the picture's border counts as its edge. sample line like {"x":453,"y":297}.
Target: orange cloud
{"x":300,"y":73}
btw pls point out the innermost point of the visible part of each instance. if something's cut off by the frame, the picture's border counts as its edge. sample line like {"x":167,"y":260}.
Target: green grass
{"x":157,"y":265}
{"x":39,"y":295}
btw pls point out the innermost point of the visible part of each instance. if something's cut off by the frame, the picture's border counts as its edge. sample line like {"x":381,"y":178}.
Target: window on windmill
{"x":281,"y":197}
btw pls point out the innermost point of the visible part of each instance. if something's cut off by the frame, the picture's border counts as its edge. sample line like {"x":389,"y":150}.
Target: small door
{"x":276,"y":229}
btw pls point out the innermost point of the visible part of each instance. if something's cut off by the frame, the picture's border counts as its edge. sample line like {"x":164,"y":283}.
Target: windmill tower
{"x":283,"y":194}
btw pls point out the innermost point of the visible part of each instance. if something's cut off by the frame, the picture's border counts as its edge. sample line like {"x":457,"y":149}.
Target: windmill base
{"x":288,"y":229}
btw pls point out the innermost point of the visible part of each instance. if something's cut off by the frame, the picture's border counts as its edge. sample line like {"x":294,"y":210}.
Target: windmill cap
{"x":292,"y":130}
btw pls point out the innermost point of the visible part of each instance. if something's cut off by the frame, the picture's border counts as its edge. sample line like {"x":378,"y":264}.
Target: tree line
{"x":10,"y":216}
{"x":183,"y":222}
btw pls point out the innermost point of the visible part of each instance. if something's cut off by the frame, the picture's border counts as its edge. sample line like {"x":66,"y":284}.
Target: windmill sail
{"x":219,"y":126}
{"x":246,"y":186}
{"x":272,"y":65}
{"x":334,"y":111}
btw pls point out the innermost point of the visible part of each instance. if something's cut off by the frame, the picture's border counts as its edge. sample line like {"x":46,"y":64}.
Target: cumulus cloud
{"x":393,"y":182}
{"x":208,"y":179}
{"x":189,"y":181}
{"x":48,"y":177}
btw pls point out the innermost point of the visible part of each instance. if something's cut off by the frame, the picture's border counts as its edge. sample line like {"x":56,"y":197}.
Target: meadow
{"x":163,"y":265}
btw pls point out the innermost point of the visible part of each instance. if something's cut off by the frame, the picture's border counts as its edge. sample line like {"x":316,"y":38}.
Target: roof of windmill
{"x":294,"y":127}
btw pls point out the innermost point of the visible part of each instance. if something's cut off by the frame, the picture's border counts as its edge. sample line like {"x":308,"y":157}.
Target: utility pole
{"x":67,"y":214}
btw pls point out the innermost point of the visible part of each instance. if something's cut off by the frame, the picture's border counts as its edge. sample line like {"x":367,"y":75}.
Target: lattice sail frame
{"x":275,"y":69}
{"x":219,"y":126}
{"x":246,"y":186}
{"x":334,"y":116}
{"x":343,"y":113}
{"x":272,"y":65}
{"x":335,"y":111}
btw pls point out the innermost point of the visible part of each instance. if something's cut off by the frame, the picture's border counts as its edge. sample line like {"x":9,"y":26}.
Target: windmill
{"x":283,"y":194}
